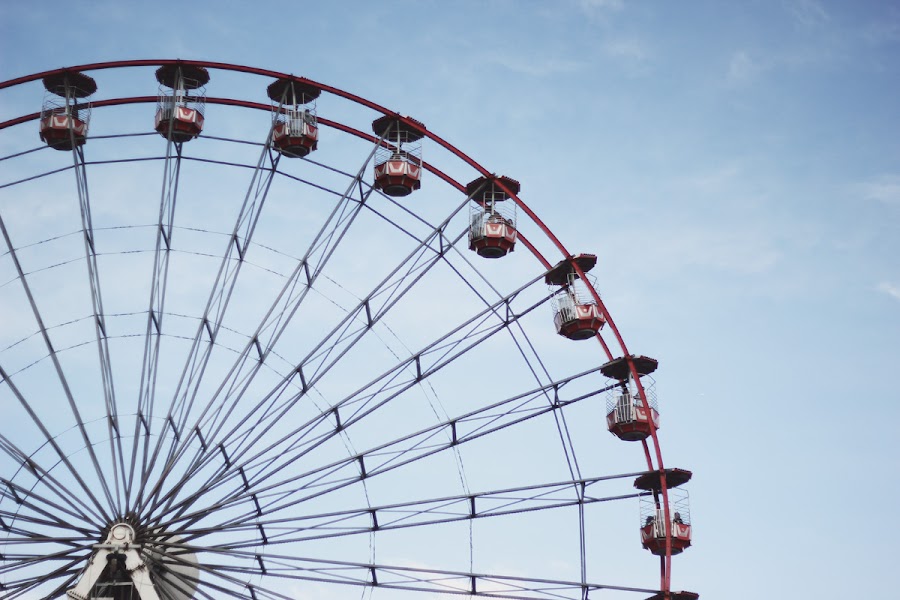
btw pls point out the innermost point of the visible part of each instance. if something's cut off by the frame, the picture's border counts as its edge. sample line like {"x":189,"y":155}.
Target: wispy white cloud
{"x":718,"y":179}
{"x":808,"y":13}
{"x":536,"y":66}
{"x":593,"y":6}
{"x":884,"y":189}
{"x":631,"y":50}
{"x":743,"y":68}
{"x":739,"y":250}
{"x":675,"y":249}
{"x":814,"y":49}
{"x":747,"y":67}
{"x":884,"y":31}
{"x":891,"y":289}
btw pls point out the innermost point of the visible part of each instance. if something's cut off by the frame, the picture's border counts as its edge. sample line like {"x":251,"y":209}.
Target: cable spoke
{"x":419,"y":513}
{"x":63,"y":382}
{"x":74,"y":507}
{"x":90,"y":250}
{"x":294,"y":489}
{"x":156,"y":310}
{"x":280,"y":314}
{"x":294,"y":568}
{"x":355,"y":324}
{"x":68,"y":572}
{"x":8,"y":519}
{"x":98,"y":511}
{"x":219,"y":297}
{"x":53,"y":511}
{"x":378,"y":302}
{"x":229,"y":393}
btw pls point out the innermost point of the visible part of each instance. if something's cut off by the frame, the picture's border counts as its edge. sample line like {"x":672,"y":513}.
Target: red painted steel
{"x":62,"y":131}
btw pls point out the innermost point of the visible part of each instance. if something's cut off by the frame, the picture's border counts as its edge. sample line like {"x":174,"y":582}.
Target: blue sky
{"x":735,"y":167}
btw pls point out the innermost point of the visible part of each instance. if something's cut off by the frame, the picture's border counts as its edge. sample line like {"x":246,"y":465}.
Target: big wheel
{"x":255,"y":345}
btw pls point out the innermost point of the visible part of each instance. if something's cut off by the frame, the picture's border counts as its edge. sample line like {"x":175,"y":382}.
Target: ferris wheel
{"x":252,"y":350}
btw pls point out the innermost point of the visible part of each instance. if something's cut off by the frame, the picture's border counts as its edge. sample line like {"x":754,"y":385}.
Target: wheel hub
{"x":121,"y":567}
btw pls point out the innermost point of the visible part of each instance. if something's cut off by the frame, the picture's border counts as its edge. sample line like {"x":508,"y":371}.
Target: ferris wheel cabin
{"x":181,"y":102}
{"x":630,"y":416}
{"x":576,"y":313}
{"x":295,"y":131}
{"x":65,"y":114}
{"x":492,"y":222}
{"x":656,"y":528}
{"x":398,"y":163}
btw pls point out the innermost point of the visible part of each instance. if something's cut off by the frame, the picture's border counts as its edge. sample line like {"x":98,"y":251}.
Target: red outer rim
{"x":665,"y":561}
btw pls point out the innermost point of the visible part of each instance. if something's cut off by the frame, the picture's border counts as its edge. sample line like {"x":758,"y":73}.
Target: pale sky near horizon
{"x":735,"y":167}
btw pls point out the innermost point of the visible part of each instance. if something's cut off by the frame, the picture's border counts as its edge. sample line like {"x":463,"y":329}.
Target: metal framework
{"x":284,"y":434}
